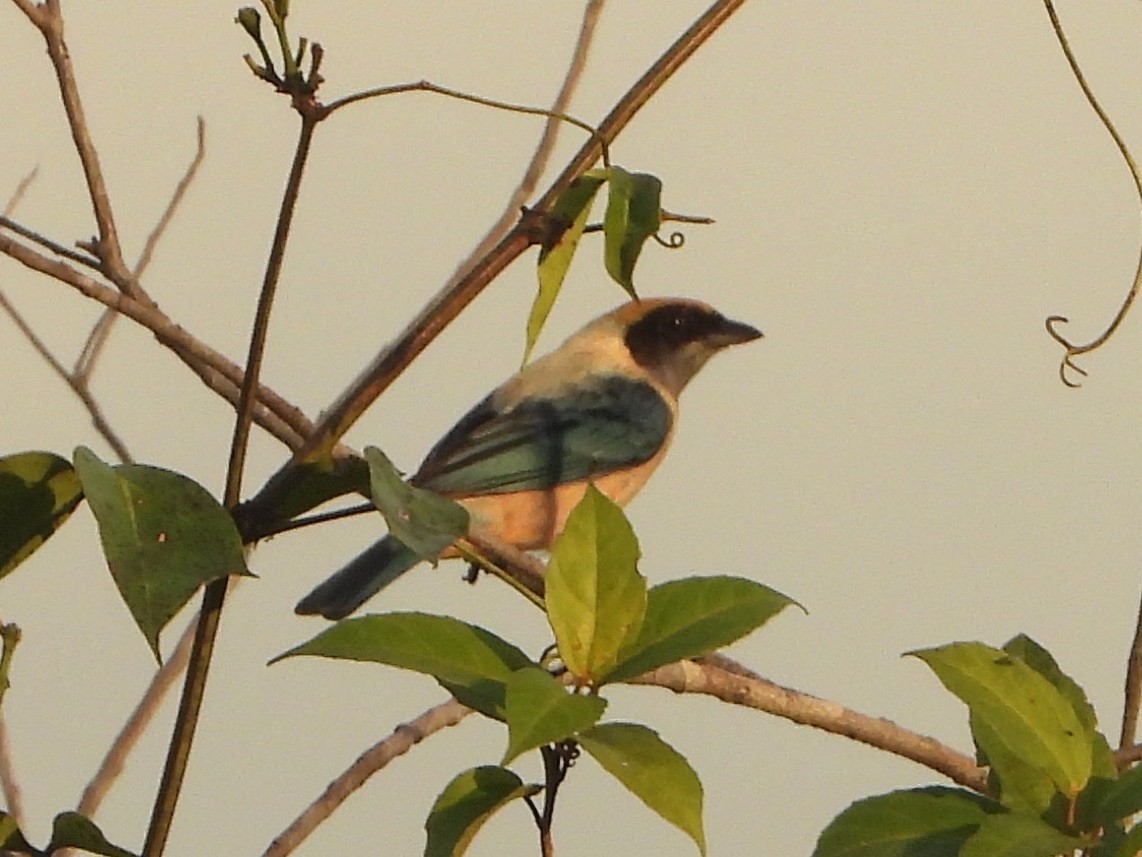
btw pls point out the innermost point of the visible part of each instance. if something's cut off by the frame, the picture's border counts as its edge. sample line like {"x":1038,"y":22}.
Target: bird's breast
{"x":532,"y":519}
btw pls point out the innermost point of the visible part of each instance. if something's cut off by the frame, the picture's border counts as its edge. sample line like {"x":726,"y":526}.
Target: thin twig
{"x":48,"y":19}
{"x":1132,"y":695}
{"x":214,"y":596}
{"x":102,"y":330}
{"x":437,"y":89}
{"x":1133,"y":681}
{"x":276,"y":415}
{"x":48,"y":244}
{"x":1055,"y":320}
{"x":98,"y":420}
{"x":13,"y":798}
{"x":546,"y":145}
{"x":402,"y":739}
{"x":443,"y":309}
{"x":136,"y":724}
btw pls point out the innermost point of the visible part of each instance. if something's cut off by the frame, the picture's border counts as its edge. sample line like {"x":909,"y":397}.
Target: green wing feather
{"x":608,"y":424}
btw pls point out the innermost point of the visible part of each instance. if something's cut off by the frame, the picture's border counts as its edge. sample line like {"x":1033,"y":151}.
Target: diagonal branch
{"x":443,"y":309}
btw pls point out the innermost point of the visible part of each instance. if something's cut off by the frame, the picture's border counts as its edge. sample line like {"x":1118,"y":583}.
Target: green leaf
{"x":652,"y":770}
{"x":424,"y":522}
{"x":1022,"y":786}
{"x":596,"y":599}
{"x":1040,"y":660}
{"x":466,"y":803}
{"x":541,"y":711}
{"x":634,"y":213}
{"x":1018,"y":708}
{"x":164,"y":536}
{"x":38,"y":491}
{"x":927,"y":822}
{"x":1017,"y":835}
{"x":1121,"y":798}
{"x":569,"y":212}
{"x":694,"y":616}
{"x":72,"y":830}
{"x":471,"y":663}
{"x":11,"y":839}
{"x":1132,"y":844}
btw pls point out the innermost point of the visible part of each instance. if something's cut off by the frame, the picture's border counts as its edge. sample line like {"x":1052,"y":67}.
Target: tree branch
{"x":442,"y":309}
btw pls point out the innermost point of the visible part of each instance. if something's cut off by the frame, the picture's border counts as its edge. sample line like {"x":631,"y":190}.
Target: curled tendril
{"x":1072,"y":350}
{"x":676,"y":240}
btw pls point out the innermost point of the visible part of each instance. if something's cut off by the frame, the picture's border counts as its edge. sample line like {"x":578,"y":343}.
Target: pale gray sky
{"x":904,"y":191}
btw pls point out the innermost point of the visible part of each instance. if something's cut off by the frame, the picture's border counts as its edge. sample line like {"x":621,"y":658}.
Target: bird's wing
{"x":605,"y":425}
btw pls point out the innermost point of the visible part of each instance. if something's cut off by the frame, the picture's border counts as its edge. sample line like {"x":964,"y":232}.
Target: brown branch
{"x":1132,"y":694}
{"x":136,"y":724}
{"x":738,"y":687}
{"x":442,"y":309}
{"x":48,"y":19}
{"x":102,"y":330}
{"x":277,"y":416}
{"x":402,"y":739}
{"x":542,"y":154}
{"x":716,"y":676}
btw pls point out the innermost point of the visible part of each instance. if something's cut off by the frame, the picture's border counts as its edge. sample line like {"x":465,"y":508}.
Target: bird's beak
{"x":730,"y":332}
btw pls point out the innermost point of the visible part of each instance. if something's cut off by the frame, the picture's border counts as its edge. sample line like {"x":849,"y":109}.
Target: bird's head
{"x":672,"y":338}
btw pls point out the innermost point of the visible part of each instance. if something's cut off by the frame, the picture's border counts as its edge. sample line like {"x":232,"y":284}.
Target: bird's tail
{"x":362,"y":578}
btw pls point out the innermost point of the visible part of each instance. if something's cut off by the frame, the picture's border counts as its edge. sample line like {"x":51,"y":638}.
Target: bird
{"x":601,"y":409}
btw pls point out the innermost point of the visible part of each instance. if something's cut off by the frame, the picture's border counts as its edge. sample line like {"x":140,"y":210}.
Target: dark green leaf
{"x":1121,"y":798}
{"x":471,"y":663}
{"x":652,"y":770}
{"x":1018,"y":707}
{"x":596,"y":599}
{"x":541,"y":711}
{"x":570,"y":209}
{"x":694,"y":616}
{"x":466,"y":803}
{"x":72,"y":830}
{"x":11,"y":839}
{"x":316,"y":481}
{"x":164,"y":536}
{"x":634,"y":213}
{"x":926,"y":822}
{"x":423,"y":521}
{"x":38,"y":491}
{"x":1132,"y":844}
{"x":1016,"y":835}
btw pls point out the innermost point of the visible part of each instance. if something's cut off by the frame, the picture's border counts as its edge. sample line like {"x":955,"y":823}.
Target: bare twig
{"x":1054,"y":321}
{"x":429,"y":86}
{"x":132,"y":730}
{"x":277,"y":416}
{"x":1133,"y":682}
{"x":48,"y":19}
{"x":542,"y":154}
{"x":47,"y":243}
{"x":403,"y":739}
{"x":102,"y":330}
{"x":1132,"y":696}
{"x":442,"y":309}
{"x":10,"y":635}
{"x":214,"y":596}
{"x":81,"y":390}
